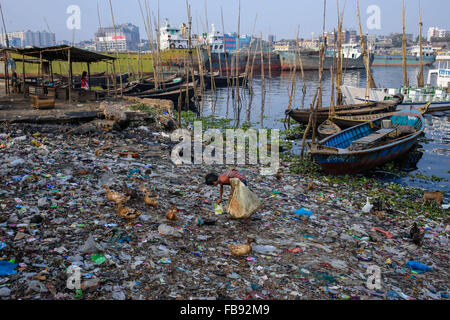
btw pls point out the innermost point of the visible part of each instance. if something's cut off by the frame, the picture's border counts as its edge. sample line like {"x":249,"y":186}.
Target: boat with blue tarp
{"x":370,"y":144}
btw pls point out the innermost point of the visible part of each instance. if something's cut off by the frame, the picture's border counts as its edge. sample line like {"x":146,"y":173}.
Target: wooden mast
{"x":6,"y":54}
{"x":225,"y":49}
{"x":405,"y":74}
{"x":117,"y":49}
{"x":420,"y":80}
{"x":370,"y":83}
{"x":339,"y":66}
{"x":322,"y":51}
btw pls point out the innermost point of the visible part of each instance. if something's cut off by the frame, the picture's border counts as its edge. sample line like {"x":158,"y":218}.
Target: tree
{"x":397,"y":40}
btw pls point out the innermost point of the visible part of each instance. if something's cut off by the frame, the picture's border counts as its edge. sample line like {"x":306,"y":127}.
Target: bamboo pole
{"x":308,"y":127}
{"x":332,"y":105}
{"x":41,"y":70}
{"x":114,"y":78}
{"x":420,"y":80}
{"x":225,"y":49}
{"x":247,"y":65}
{"x":319,"y":95}
{"x":139,"y":63}
{"x":117,"y":49}
{"x":69,"y":60}
{"x":237,"y":96}
{"x":405,"y":74}
{"x":148,"y":28}
{"x":89,"y":74}
{"x":339,"y":67}
{"x":6,"y":53}
{"x":293,"y":74}
{"x":158,"y":39}
{"x":370,"y":81}
{"x":23,"y":74}
{"x":321,"y":68}
{"x":179,"y":108}
{"x":263,"y":81}
{"x":270,"y":64}
{"x":208,"y":48}
{"x":301,"y":68}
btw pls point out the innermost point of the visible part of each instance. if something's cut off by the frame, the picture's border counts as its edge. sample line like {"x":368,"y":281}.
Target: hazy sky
{"x":279,"y":17}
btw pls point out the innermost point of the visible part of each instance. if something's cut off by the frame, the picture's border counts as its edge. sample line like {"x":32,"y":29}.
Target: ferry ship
{"x":352,"y":59}
{"x":173,"y":37}
{"x":224,"y":60}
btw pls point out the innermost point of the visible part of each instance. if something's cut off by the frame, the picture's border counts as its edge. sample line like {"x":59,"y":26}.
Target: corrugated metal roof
{"x":60,"y":53}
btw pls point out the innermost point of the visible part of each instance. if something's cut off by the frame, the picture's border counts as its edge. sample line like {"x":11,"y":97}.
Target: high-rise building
{"x":125,"y":36}
{"x":29,"y":38}
{"x":271,"y":38}
{"x":434,"y":32}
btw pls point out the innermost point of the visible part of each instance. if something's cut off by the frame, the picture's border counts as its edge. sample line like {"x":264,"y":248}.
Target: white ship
{"x":173,"y":37}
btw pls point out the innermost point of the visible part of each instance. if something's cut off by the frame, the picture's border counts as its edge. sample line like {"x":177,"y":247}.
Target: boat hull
{"x":351,"y":162}
{"x":353,"y":165}
{"x":310,"y":61}
{"x":396,"y":61}
{"x":227,"y":62}
{"x":302,"y":115}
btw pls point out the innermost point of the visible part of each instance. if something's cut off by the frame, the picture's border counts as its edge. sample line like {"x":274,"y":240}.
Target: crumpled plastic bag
{"x":91,"y":246}
{"x":242,"y":203}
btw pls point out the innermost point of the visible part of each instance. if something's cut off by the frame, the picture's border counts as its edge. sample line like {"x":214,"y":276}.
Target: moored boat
{"x":328,"y":128}
{"x":370,"y":144}
{"x":302,"y":115}
{"x":352,"y":59}
{"x":351,"y":121}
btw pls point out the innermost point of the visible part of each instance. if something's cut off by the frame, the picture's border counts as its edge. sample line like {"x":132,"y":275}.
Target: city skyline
{"x":272,"y":19}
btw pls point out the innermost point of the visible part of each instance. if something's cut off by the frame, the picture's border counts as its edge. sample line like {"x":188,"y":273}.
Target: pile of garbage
{"x":61,"y":238}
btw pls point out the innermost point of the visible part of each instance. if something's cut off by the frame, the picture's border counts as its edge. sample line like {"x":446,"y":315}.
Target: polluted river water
{"x":427,"y":166}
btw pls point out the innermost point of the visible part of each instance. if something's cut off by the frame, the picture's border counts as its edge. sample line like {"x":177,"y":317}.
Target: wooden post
{"x":69,"y":60}
{"x":40,"y":68}
{"x":114,"y":78}
{"x":89,"y":74}
{"x":420,"y":80}
{"x":23,"y":73}
{"x":6,"y":73}
{"x":51,"y":72}
{"x":404,"y":64}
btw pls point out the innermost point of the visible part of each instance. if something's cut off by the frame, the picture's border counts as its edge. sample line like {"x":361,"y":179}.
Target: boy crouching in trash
{"x":213,"y":179}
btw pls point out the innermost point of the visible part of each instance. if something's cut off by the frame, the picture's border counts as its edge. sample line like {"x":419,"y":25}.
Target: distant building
{"x":271,"y":38}
{"x":284,"y":46}
{"x":126,"y":37}
{"x":434,"y":32}
{"x":63,"y":43}
{"x":29,"y":38}
{"x":229,"y":40}
{"x":371,"y":38}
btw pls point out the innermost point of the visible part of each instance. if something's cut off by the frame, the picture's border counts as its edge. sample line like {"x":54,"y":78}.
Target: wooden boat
{"x":370,"y":144}
{"x":172,"y":94}
{"x":328,"y":128}
{"x":350,"y":121}
{"x":136,"y":88}
{"x":302,"y":115}
{"x":219,"y":81}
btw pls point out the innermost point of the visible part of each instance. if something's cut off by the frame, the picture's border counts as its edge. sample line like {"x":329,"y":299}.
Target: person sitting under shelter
{"x":84,"y":81}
